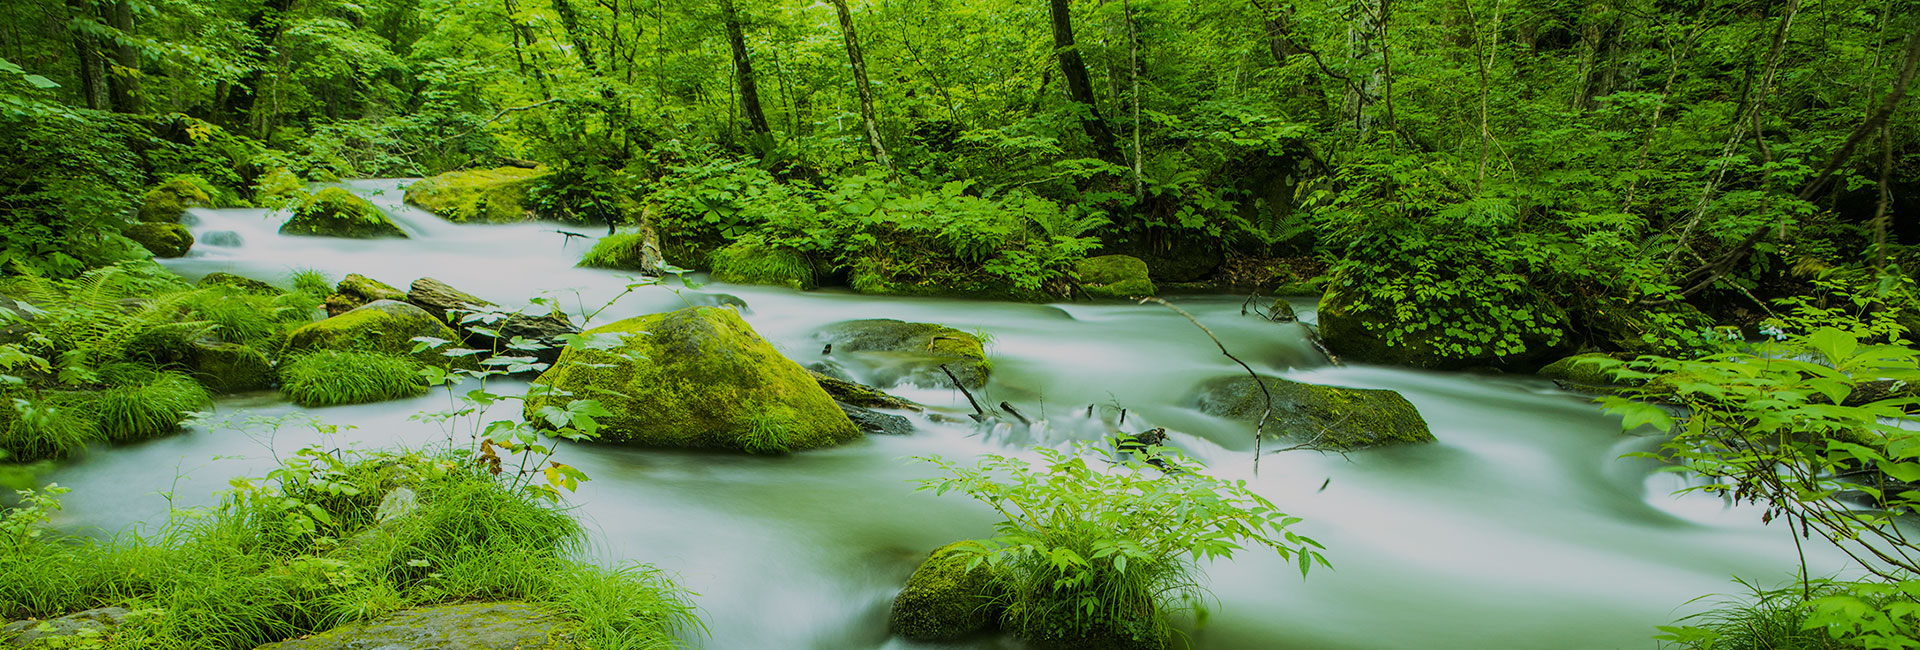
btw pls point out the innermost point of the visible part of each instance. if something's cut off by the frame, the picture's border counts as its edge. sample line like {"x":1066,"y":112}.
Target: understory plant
{"x":330,"y":378}
{"x":1097,"y":552}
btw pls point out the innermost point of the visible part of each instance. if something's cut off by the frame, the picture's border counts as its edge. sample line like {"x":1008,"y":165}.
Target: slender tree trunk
{"x":1073,"y":69}
{"x":1133,"y":72}
{"x":859,"y":62}
{"x":265,"y":26}
{"x":1881,"y":214}
{"x":93,"y":67}
{"x":743,"y":69}
{"x":123,"y":79}
{"x":1366,"y":68}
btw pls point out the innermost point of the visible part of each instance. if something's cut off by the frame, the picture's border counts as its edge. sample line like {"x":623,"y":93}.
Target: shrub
{"x":1092,"y":554}
{"x":329,"y":378}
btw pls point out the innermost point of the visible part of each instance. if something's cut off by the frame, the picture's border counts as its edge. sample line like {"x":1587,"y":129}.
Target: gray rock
{"x":872,"y":421}
{"x":897,"y":352}
{"x":1333,"y":417}
{"x":93,"y":622}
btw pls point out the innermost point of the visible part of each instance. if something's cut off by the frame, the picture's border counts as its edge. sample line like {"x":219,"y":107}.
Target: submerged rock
{"x":164,"y":239}
{"x":335,"y":212}
{"x":1114,"y":276}
{"x":697,"y":377}
{"x":467,"y":626}
{"x":847,"y":391}
{"x":477,"y":195}
{"x":1341,"y":418}
{"x":384,"y":326}
{"x":743,"y":263}
{"x":899,"y":351}
{"x":872,"y":421}
{"x":944,"y":600}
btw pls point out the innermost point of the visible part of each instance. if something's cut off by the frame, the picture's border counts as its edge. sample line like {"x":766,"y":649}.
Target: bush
{"x":329,"y":378}
{"x":1096,"y":556}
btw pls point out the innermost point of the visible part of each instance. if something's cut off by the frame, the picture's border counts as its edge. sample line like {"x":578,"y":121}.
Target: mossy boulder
{"x":746,"y":263}
{"x":279,"y":188}
{"x":238,"y":283}
{"x":357,"y":290}
{"x":1334,"y":417}
{"x":168,"y":201}
{"x":698,"y":377}
{"x":944,"y":600}
{"x":477,"y":195}
{"x":858,"y":394}
{"x":335,"y":212}
{"x":902,"y":352}
{"x":466,"y":626}
{"x":383,"y":326}
{"x":77,"y":630}
{"x":1583,"y":371}
{"x":229,"y":367}
{"x":1282,"y":311}
{"x":625,"y":251}
{"x":1356,"y":327}
{"x":1114,"y":276}
{"x":164,"y":239}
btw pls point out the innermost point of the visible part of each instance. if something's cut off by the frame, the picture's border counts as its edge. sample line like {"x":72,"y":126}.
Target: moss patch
{"x":279,"y":188}
{"x":1343,"y":418}
{"x":744,"y":263}
{"x":920,"y":348}
{"x":697,"y":377}
{"x":1114,"y":276}
{"x":239,"y":283}
{"x":477,"y":195}
{"x":624,"y":251}
{"x":230,"y":367}
{"x":861,"y":395}
{"x":166,"y":202}
{"x":335,"y":212}
{"x":164,"y":239}
{"x":920,"y":276}
{"x":1576,"y":369}
{"x":383,"y":326}
{"x":943,"y":600}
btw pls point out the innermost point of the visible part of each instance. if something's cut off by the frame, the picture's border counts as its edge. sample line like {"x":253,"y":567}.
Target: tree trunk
{"x":1365,"y":66}
{"x":265,"y":26}
{"x":123,"y":79}
{"x":865,"y":90}
{"x":93,"y":68}
{"x":1079,"y":87}
{"x":1133,"y":73}
{"x":743,"y":68}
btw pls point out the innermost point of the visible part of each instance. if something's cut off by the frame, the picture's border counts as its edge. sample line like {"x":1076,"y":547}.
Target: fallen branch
{"x":1016,"y":414}
{"x":1259,"y":427}
{"x":979,"y":414}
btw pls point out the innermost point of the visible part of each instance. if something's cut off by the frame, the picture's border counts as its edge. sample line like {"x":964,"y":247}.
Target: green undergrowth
{"x":307,"y":548}
{"x":151,"y":407}
{"x":747,"y":262}
{"x":1819,"y":615}
{"x":623,"y":251}
{"x":330,"y":378}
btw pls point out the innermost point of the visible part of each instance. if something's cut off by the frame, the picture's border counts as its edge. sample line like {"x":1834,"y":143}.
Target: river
{"x":1522,"y":527}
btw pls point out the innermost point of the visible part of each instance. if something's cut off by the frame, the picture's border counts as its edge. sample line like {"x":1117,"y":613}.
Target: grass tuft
{"x":148,"y":409}
{"x":330,"y":378}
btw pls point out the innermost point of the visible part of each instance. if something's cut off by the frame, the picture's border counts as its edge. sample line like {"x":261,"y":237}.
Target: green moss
{"x":622,"y":251}
{"x":384,"y":326}
{"x":1311,"y":287}
{"x":166,"y":202}
{"x":336,"y":212}
{"x":230,"y":367}
{"x":365,"y":289}
{"x":697,"y":377}
{"x":943,"y":600}
{"x":329,"y":378}
{"x":886,"y":276}
{"x":1114,"y":276}
{"x":860,"y":395}
{"x":239,"y":283}
{"x":477,"y":195}
{"x":928,"y":344}
{"x":149,"y":409}
{"x":164,"y":239}
{"x":1578,"y":369}
{"x":745,"y":263}
{"x":1340,"y":418}
{"x":279,"y":188}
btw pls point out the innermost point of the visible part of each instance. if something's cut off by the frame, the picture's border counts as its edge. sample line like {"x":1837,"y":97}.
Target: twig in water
{"x":979,"y":414}
{"x":1259,"y":427}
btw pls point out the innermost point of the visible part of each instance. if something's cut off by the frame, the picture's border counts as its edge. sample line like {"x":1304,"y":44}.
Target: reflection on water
{"x":1521,"y":528}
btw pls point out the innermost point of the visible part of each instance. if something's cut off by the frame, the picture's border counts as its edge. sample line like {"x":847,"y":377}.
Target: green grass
{"x":148,"y":409}
{"x":617,"y":251}
{"x":312,"y":282}
{"x":238,"y":576}
{"x":50,"y":424}
{"x":329,"y":378}
{"x":748,"y":263}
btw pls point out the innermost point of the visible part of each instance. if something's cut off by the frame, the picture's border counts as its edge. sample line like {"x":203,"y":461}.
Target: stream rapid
{"x":1522,"y":527}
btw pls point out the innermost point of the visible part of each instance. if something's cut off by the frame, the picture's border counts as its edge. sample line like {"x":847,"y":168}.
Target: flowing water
{"x":1521,"y":528}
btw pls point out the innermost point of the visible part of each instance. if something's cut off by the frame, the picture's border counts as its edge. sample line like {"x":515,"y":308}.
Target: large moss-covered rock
{"x":944,"y":600}
{"x":477,"y":195}
{"x":910,"y":272}
{"x":743,"y":263}
{"x":1114,"y":276}
{"x":239,"y":283}
{"x":71,"y":631}
{"x":356,"y":290}
{"x":164,"y":239}
{"x":335,"y":212}
{"x":697,"y":377}
{"x":902,"y":352}
{"x":467,"y":626}
{"x":279,"y":188}
{"x":168,"y":201}
{"x":384,"y":326}
{"x":1339,"y":418}
{"x":1358,"y":330}
{"x":229,"y":367}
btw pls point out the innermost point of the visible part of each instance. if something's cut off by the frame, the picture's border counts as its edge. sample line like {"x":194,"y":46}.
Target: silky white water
{"x":1522,"y":527}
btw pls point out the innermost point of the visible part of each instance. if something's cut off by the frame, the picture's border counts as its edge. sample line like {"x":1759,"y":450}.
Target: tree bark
{"x":123,"y":79}
{"x":859,"y":62}
{"x":743,"y":68}
{"x":265,"y":25}
{"x":1366,"y":67}
{"x":1073,"y":69}
{"x":93,"y":68}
